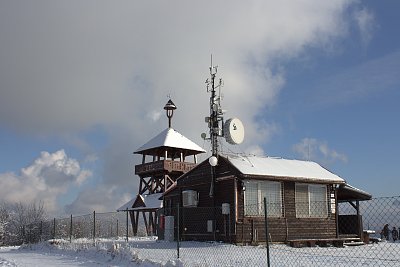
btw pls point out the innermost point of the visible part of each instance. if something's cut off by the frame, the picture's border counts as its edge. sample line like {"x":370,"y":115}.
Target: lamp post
{"x":169,"y":107}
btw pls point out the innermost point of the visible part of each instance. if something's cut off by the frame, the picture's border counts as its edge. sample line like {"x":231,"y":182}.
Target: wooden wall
{"x":243,"y":230}
{"x":252,"y":229}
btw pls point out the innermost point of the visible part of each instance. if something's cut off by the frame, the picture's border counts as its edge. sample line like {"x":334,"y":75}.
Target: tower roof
{"x":172,"y":139}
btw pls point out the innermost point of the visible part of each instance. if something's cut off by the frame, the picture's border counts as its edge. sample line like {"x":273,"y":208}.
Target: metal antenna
{"x":215,"y":121}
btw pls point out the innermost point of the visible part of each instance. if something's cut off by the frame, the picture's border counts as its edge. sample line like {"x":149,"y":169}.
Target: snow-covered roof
{"x":171,"y":138}
{"x":285,"y":168}
{"x":151,"y":201}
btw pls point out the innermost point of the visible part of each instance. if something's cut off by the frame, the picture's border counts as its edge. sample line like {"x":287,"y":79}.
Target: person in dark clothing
{"x":385,"y":232}
{"x":395,"y":234}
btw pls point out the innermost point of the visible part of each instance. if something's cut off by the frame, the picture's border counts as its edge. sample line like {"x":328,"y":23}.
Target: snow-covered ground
{"x":151,"y":252}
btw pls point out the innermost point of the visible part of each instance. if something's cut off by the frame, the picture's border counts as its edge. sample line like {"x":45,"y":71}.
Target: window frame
{"x":261,"y":188}
{"x":315,"y":204}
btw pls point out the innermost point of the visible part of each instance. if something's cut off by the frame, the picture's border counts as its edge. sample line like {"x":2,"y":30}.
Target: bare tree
{"x":25,"y":222}
{"x":4,"y":221}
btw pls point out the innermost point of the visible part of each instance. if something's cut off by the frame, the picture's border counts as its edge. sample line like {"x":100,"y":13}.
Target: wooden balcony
{"x":163,"y":166}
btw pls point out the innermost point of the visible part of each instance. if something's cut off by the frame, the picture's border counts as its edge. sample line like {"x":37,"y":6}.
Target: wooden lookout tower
{"x":164,"y":158}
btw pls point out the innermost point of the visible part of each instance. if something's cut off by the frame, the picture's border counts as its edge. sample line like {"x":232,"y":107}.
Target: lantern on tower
{"x":170,"y":107}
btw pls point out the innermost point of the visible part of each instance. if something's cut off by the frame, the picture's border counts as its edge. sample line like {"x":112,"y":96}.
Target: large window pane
{"x":255,"y":193}
{"x":302,"y":201}
{"x":311,"y":201}
{"x":318,"y":205}
{"x":251,"y":199}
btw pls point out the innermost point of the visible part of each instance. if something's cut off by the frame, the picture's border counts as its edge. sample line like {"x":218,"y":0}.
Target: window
{"x":311,"y":201}
{"x":254,"y":196}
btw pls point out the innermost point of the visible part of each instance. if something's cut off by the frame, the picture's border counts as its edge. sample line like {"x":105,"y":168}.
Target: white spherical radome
{"x":213,"y":161}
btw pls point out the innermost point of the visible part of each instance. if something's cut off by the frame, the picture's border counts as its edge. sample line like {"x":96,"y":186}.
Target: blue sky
{"x":349,"y":100}
{"x":82,"y":85}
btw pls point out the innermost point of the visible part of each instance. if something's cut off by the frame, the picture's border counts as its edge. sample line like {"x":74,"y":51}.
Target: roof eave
{"x":347,"y":192}
{"x":294,"y":179}
{"x":154,"y":150}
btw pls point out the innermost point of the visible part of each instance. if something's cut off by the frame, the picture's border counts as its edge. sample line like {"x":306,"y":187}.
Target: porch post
{"x":359,"y":218}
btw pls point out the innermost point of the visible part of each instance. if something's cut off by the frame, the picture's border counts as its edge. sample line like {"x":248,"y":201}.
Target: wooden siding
{"x":252,"y":229}
{"x":162,"y":166}
{"x":243,"y":229}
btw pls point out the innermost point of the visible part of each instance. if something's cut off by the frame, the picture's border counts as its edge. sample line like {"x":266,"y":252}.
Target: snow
{"x":24,"y":257}
{"x":152,"y":252}
{"x":151,"y":201}
{"x":285,"y":168}
{"x":171,"y":138}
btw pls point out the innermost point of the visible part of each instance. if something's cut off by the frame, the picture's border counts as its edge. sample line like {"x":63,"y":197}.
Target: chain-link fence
{"x":90,"y":226}
{"x":361,"y":233}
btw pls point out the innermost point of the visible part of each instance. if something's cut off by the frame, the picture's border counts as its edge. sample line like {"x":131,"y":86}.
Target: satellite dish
{"x":234,"y":131}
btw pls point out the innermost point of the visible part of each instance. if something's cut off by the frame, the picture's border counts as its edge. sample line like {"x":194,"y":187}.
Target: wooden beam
{"x":146,"y":187}
{"x":169,"y":178}
{"x":133,"y":222}
{"x":353,"y":205}
{"x":140,"y":185}
{"x":154,"y":223}
{"x":159,"y":184}
{"x":150,"y":230}
{"x":136,"y":221}
{"x":145,"y":221}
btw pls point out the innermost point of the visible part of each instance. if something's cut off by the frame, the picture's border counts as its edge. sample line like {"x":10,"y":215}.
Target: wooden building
{"x":222,"y":198}
{"x":164,"y":158}
{"x":302,"y":200}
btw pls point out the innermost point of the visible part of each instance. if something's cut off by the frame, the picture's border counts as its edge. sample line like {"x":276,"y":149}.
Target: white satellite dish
{"x":234,"y":131}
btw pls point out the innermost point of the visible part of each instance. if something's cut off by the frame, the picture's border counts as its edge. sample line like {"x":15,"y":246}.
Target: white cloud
{"x":88,"y":200}
{"x":91,"y":158}
{"x":47,"y":178}
{"x":319,"y":151}
{"x":366,"y":24}
{"x":155,"y":115}
{"x":255,"y":150}
{"x":74,"y":66}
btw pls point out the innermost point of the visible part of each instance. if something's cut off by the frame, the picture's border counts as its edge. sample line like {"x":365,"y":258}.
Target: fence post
{"x":23,"y":234}
{"x":229,"y":227}
{"x":70,"y":230}
{"x":266,"y":230}
{"x":54,"y":228}
{"x":41,"y":231}
{"x":127,"y":225}
{"x":117,"y":229}
{"x":177,"y":230}
{"x":94,"y":226}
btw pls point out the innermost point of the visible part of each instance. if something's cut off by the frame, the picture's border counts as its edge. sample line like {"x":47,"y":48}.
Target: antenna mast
{"x":232,"y":129}
{"x":216,"y":120}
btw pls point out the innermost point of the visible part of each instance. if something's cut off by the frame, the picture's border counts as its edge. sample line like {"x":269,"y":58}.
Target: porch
{"x":350,"y":224}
